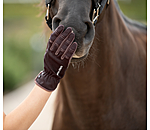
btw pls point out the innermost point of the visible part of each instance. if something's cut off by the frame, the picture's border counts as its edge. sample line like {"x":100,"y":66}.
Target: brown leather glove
{"x":60,"y":49}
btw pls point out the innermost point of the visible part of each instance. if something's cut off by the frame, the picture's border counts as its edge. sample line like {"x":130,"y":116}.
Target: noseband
{"x":97,"y":9}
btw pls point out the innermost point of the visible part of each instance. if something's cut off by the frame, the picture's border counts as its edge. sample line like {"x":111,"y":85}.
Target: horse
{"x":104,"y":87}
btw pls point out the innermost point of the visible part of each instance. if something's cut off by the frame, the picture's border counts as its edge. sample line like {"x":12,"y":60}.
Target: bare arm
{"x":60,"y":49}
{"x":25,"y":114}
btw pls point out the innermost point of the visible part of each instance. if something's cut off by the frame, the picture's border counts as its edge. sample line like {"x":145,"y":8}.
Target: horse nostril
{"x":88,"y":27}
{"x":89,"y":32}
{"x":56,"y":21}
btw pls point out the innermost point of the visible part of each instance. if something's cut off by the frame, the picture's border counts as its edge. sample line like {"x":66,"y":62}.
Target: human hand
{"x":60,"y":49}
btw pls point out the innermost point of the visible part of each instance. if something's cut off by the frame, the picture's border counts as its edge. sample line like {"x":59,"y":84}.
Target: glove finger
{"x":65,"y":44}
{"x":69,"y":51}
{"x":54,"y":35}
{"x":60,"y":39}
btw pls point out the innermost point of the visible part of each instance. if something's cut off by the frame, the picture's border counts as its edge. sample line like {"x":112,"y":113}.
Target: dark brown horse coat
{"x":108,"y":90}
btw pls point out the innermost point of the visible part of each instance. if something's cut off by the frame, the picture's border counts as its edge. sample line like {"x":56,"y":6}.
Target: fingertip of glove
{"x":60,"y":28}
{"x":74,"y":45}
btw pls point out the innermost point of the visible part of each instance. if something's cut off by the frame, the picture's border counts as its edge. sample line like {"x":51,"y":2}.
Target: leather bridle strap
{"x":48,"y":17}
{"x":98,"y":8}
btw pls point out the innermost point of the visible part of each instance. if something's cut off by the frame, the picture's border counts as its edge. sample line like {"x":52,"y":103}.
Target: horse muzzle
{"x":83,"y":29}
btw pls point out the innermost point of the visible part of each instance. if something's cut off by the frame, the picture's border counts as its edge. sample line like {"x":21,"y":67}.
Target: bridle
{"x":97,"y":9}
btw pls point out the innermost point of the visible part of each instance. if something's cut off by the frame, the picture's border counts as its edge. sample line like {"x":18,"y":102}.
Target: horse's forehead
{"x":75,"y":5}
{"x":72,"y":2}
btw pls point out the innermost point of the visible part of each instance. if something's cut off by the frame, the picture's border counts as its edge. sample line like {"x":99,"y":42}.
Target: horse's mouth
{"x":76,"y":59}
{"x":81,"y":53}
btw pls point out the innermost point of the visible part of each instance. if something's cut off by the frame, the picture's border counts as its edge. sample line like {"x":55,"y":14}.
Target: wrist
{"x":47,"y":81}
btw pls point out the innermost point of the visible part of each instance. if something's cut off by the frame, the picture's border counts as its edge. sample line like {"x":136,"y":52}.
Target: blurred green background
{"x":24,"y":41}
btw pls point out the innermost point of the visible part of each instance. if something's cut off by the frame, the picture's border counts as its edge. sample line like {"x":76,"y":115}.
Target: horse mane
{"x":129,"y":21}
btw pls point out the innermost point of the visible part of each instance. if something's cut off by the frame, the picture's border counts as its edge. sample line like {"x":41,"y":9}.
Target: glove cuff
{"x":47,"y":81}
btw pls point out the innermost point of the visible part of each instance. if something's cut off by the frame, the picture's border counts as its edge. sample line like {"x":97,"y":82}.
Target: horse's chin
{"x":76,"y":58}
{"x":81,"y":54}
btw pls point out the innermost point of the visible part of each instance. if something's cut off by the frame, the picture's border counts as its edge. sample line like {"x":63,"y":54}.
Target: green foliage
{"x":135,"y":9}
{"x":20,"y":25}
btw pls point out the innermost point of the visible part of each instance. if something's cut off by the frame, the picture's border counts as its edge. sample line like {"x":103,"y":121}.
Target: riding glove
{"x":59,"y":51}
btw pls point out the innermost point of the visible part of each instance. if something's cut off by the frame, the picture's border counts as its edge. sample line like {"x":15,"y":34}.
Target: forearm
{"x":59,"y":51}
{"x":26,"y":113}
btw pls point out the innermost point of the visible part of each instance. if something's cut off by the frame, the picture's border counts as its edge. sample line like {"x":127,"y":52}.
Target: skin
{"x":59,"y":47}
{"x":25,"y":114}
